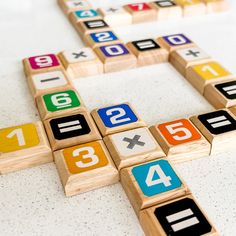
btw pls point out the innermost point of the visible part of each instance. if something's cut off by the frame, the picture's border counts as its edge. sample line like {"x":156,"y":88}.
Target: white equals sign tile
{"x":69,"y":126}
{"x":230,"y":90}
{"x":219,"y":121}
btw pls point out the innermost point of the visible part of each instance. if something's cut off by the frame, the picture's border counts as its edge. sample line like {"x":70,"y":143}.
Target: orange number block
{"x":85,"y":167}
{"x":180,"y":140}
{"x":23,"y":146}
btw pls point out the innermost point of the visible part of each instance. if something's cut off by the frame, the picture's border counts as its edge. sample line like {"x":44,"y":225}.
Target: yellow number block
{"x":192,"y":7}
{"x":23,"y":146}
{"x":202,"y":74}
{"x":85,"y":167}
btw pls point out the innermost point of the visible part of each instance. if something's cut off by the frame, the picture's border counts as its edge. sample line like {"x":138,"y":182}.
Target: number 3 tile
{"x":151,"y":183}
{"x":116,"y":118}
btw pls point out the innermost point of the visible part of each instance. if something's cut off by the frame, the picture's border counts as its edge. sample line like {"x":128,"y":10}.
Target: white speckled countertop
{"x":32,"y":201}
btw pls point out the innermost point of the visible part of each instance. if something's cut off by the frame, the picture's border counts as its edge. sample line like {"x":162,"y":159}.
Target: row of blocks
{"x":79,"y":10}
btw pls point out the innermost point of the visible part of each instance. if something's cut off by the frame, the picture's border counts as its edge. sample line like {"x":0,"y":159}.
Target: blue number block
{"x":106,"y":36}
{"x":86,"y":13}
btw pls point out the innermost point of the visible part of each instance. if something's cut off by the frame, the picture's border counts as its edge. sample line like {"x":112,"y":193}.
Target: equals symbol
{"x":96,"y":24}
{"x":50,"y":79}
{"x":230,"y":90}
{"x":69,"y":126}
{"x":218,"y":121}
{"x":146,"y":44}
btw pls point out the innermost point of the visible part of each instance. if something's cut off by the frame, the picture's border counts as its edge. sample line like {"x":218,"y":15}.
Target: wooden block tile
{"x":183,"y":58}
{"x":85,"y":167}
{"x":221,"y":94}
{"x":167,"y":10}
{"x":116,"y":57}
{"x":47,"y":82}
{"x":115,"y":16}
{"x":141,"y":12}
{"x":42,"y":64}
{"x":116,"y":118}
{"x":68,"y":130}
{"x":133,"y":147}
{"x":203,"y":74}
{"x":174,"y":42}
{"x":219,"y":128}
{"x":192,"y":7}
{"x":91,"y":26}
{"x":73,"y":5}
{"x":23,"y":146}
{"x":216,"y":5}
{"x":81,"y":62}
{"x":103,"y":38}
{"x":180,"y":140}
{"x":151,"y":183}
{"x":84,"y":15}
{"x":148,"y":52}
{"x":59,"y":103}
{"x":181,"y":216}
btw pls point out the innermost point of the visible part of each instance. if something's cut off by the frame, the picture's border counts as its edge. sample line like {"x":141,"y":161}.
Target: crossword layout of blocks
{"x":99,"y":148}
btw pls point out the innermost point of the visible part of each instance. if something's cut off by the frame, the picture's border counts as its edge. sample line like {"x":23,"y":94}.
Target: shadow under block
{"x":23,"y":146}
{"x":68,"y":6}
{"x":167,"y":10}
{"x":203,"y":74}
{"x":151,"y":183}
{"x":183,"y":58}
{"x":175,"y":42}
{"x":66,"y":131}
{"x":85,"y":167}
{"x":103,"y":38}
{"x":133,"y":147}
{"x":219,"y":128}
{"x":81,"y":62}
{"x":42,"y":64}
{"x":181,"y":216}
{"x":115,"y":16}
{"x":216,"y":5}
{"x":148,"y":52}
{"x":59,"y":103}
{"x":192,"y":7}
{"x":221,"y":94}
{"x":180,"y":140}
{"x":116,"y":57}
{"x":47,"y":82}
{"x":116,"y":118}
{"x":141,"y":12}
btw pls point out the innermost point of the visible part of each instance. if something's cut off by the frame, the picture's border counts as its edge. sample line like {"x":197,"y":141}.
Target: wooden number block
{"x":141,"y":12}
{"x":148,"y":52}
{"x":23,"y":146}
{"x":221,"y":94}
{"x":151,"y":183}
{"x":81,"y":63}
{"x":133,"y":147}
{"x":59,"y":103}
{"x":85,"y":167}
{"x":47,"y":82}
{"x":116,"y":57}
{"x":84,"y":15}
{"x":73,"y":5}
{"x":192,"y":7}
{"x":98,"y":39}
{"x":181,"y":216}
{"x":167,"y":10}
{"x":69,"y":130}
{"x":203,"y":74}
{"x":174,"y":42}
{"x":41,"y":64}
{"x":115,"y":16}
{"x":219,"y":128}
{"x":117,"y":118}
{"x":180,"y":140}
{"x":216,"y":5}
{"x":91,"y":26}
{"x":183,"y":58}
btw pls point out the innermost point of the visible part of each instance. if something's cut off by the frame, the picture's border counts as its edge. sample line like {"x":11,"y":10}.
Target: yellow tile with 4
{"x":202,"y":74}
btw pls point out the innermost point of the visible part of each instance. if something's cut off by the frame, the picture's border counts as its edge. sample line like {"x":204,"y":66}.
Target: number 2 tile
{"x":151,"y":183}
{"x":116,"y":118}
{"x":85,"y":167}
{"x":23,"y":146}
{"x":181,"y":140}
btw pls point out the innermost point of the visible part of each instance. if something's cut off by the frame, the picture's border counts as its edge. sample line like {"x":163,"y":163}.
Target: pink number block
{"x":43,"y":61}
